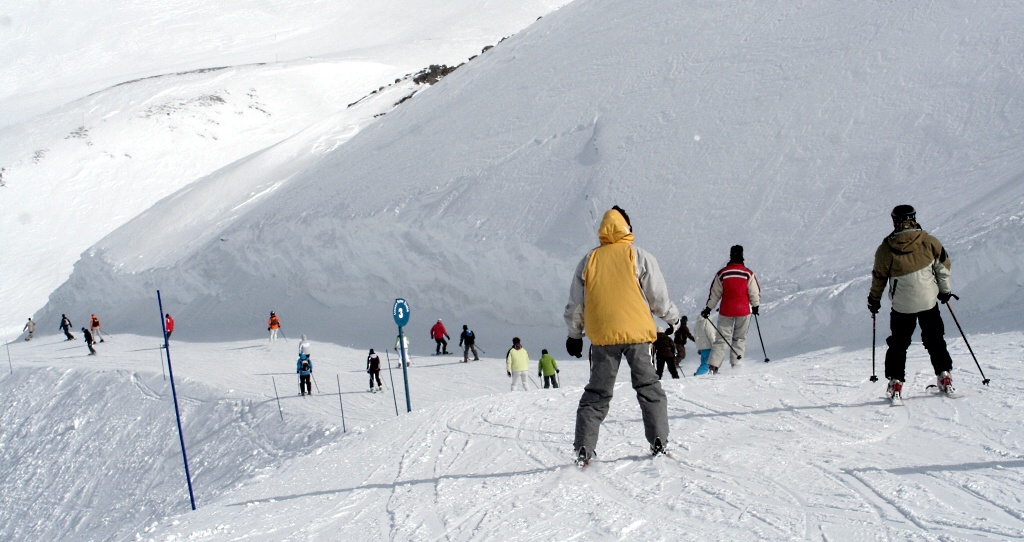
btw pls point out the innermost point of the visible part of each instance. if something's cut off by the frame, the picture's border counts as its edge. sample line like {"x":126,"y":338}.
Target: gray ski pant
{"x":731,"y":330}
{"x":597,"y":395}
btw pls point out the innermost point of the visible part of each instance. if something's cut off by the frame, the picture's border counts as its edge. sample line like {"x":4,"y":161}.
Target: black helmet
{"x":736,"y":254}
{"x":903,"y":213}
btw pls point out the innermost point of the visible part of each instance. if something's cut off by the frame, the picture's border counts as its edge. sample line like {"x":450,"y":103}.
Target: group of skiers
{"x":617,"y":287}
{"x":91,"y":333}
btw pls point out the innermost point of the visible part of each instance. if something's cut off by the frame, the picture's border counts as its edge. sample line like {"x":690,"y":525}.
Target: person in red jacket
{"x":735,"y":287}
{"x":168,"y":325}
{"x":439,"y":334}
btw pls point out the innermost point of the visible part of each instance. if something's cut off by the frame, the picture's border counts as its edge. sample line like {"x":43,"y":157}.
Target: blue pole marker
{"x":174,"y":393}
{"x":401,"y":314}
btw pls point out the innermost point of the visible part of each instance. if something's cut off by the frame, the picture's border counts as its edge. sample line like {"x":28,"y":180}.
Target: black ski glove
{"x":706,"y":312}
{"x":557,"y":371}
{"x":538,"y":375}
{"x":753,"y":310}
{"x":874,"y":305}
{"x":509,"y":373}
{"x":944,"y":297}
{"x":574,"y":347}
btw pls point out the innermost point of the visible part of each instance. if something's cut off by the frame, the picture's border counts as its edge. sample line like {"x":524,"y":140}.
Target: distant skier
{"x":439,"y":334}
{"x":373,"y":367}
{"x":920,"y":265}
{"x":665,"y":354}
{"x":273,"y":325}
{"x":548,"y":368}
{"x":304,"y":366}
{"x":94,"y":326}
{"x":517,"y":363}
{"x":705,"y":338}
{"x":614,"y":292}
{"x":304,"y":347}
{"x":88,"y":341}
{"x":30,"y":326}
{"x":65,"y":326}
{"x":468,"y":342}
{"x":681,"y":335}
{"x":402,"y":343}
{"x":168,"y":325}
{"x":736,"y":288}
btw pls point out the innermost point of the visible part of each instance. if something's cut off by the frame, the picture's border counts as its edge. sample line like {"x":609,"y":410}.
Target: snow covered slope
{"x":791,"y":129}
{"x":803,"y":448}
{"x":101,"y":119}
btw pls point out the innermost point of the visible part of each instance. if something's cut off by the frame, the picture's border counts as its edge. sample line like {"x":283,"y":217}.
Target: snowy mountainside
{"x":791,"y":130}
{"x":140,"y":125}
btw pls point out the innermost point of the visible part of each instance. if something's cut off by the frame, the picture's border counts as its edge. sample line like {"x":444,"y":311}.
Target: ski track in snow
{"x":801,"y":448}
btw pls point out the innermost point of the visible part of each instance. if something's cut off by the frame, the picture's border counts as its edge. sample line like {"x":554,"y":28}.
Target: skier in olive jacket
{"x":916,"y":267}
{"x":614,"y":291}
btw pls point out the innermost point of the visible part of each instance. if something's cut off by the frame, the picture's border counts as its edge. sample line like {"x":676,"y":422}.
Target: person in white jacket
{"x":705,"y":338}
{"x":402,"y":343}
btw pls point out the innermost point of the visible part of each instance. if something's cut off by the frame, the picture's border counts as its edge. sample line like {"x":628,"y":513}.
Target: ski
{"x":948,"y":392}
{"x":896,"y":400}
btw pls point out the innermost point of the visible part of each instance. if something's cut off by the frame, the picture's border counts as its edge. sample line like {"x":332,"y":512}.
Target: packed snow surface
{"x":802,"y":448}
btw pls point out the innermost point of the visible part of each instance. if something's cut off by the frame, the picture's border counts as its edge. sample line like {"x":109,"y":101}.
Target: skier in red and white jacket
{"x":736,"y":288}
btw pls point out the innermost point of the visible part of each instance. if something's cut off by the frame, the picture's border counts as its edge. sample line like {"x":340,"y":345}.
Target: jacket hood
{"x":614,"y":228}
{"x":906,"y":241}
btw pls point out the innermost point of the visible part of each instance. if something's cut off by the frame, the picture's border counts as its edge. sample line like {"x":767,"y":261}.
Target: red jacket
{"x":736,"y":287}
{"x":170,"y":324}
{"x":438,"y":331}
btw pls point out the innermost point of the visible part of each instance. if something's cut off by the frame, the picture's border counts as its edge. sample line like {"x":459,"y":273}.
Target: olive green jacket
{"x":916,"y":268}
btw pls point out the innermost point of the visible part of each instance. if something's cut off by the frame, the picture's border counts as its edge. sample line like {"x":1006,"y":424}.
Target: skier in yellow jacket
{"x":517,"y":362}
{"x":614,"y":291}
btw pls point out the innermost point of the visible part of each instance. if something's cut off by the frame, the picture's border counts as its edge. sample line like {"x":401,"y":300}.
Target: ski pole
{"x":317,"y":386}
{"x":984,"y":380}
{"x":873,"y":328}
{"x":738,"y":356}
{"x":756,"y":323}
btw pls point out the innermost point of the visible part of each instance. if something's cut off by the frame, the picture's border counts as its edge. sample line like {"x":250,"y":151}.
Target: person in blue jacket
{"x":305,"y":368}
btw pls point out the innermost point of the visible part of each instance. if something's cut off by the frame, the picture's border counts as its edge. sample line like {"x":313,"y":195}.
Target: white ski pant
{"x":730,"y":330}
{"x":521,"y":376}
{"x":273,"y":334}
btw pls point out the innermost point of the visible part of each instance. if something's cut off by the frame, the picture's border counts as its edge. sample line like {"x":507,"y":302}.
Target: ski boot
{"x":657,"y":447}
{"x":944,"y":382}
{"x":583,"y":457}
{"x":895,"y":391}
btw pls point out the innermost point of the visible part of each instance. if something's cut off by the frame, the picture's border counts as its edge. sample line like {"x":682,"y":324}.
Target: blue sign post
{"x":401,"y":314}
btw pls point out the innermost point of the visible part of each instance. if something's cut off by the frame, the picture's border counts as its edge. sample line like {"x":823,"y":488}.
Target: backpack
{"x":469,"y":333}
{"x":305,"y":365}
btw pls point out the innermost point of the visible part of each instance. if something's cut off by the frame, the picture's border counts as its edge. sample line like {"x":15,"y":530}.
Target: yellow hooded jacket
{"x":615,"y":289}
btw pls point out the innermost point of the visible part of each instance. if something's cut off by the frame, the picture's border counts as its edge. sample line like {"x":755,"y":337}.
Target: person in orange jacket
{"x":94,"y":326}
{"x":273,"y":324}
